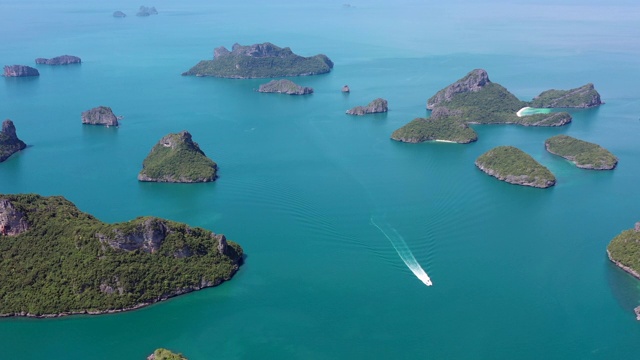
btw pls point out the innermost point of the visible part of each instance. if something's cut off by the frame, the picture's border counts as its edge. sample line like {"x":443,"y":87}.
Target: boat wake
{"x":403,"y":251}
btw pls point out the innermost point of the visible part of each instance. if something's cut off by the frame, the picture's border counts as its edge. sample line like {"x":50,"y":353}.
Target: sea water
{"x":517,"y":272}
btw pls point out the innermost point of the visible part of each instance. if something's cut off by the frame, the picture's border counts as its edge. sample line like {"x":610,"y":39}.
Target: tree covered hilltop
{"x":57,"y":260}
{"x":440,"y":126}
{"x":264,"y":60}
{"x":583,"y":154}
{"x":510,"y":164}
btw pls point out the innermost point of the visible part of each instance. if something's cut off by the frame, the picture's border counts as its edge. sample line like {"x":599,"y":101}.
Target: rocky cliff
{"x":20,"y":71}
{"x":585,"y":96}
{"x":101,"y":115}
{"x":260,"y":61}
{"x":59,"y":60}
{"x":284,"y":87}
{"x":176,"y":158}
{"x":378,"y":105}
{"x":9,"y":142}
{"x":12,"y":221}
{"x":474,"y":81}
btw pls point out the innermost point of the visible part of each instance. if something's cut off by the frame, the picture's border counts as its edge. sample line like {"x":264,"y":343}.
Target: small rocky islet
{"x":583,"y":154}
{"x":176,"y":158}
{"x":284,"y":87}
{"x":20,"y":71}
{"x":101,"y":115}
{"x":62,"y":261}
{"x":59,"y":60}
{"x":378,"y":105}
{"x":512,"y":165}
{"x":9,"y":141}
{"x":264,"y":60}
{"x":165,"y":354}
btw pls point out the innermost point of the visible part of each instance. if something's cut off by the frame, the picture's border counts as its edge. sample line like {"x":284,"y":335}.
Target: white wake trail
{"x":405,"y":253}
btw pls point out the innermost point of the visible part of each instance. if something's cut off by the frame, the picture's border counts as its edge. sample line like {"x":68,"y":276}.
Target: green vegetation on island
{"x":438,"y":127}
{"x":378,"y":105}
{"x":584,"y":154}
{"x":284,"y":87}
{"x":57,"y":260}
{"x":477,"y":100}
{"x":260,"y":61}
{"x":9,"y":142}
{"x":164,"y":354}
{"x":624,"y":250}
{"x":177,"y":158}
{"x":510,"y":164}
{"x":585,"y":96}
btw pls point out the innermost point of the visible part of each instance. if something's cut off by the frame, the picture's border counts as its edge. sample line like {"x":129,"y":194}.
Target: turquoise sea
{"x":314,"y":196}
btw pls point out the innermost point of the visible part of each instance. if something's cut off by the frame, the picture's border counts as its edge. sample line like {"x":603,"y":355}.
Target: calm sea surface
{"x":518,"y":273}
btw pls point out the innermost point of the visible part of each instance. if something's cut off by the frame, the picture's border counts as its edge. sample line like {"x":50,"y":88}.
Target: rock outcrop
{"x":176,"y":158}
{"x":9,"y":142}
{"x":164,"y":354}
{"x":264,"y":60}
{"x":119,"y":14}
{"x":147,"y":11}
{"x":346,"y":89}
{"x":12,"y":221}
{"x":284,"y":87}
{"x":101,"y":115}
{"x":20,"y":71}
{"x":146,"y":236}
{"x":59,"y":60}
{"x":378,"y":105}
{"x":585,"y":96}
{"x":472,"y":82}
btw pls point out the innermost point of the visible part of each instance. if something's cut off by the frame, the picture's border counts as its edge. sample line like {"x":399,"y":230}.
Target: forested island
{"x":378,"y":105}
{"x":584,"y":96}
{"x":474,"y":99}
{"x":440,"y":126}
{"x":9,"y":142}
{"x":177,"y":158}
{"x":583,"y":154}
{"x":20,"y":71}
{"x":624,"y":251}
{"x":164,"y":354}
{"x":284,"y":87}
{"x":260,"y":61}
{"x":57,"y":260}
{"x":60,"y":60}
{"x":510,"y":164}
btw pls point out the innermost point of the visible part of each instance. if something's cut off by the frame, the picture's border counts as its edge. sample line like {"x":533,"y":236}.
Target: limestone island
{"x":60,"y":261}
{"x":346,"y":89}
{"x":477,"y":100}
{"x":585,"y":96}
{"x":147,"y":11}
{"x":440,"y":126}
{"x":510,"y":164}
{"x":119,"y":14}
{"x":59,"y":60}
{"x":101,"y":115}
{"x":583,"y":154}
{"x":624,"y":251}
{"x":378,"y":105}
{"x":260,"y":61}
{"x":9,"y":142}
{"x":284,"y":87}
{"x":164,"y":354}
{"x":176,"y":158}
{"x":20,"y":71}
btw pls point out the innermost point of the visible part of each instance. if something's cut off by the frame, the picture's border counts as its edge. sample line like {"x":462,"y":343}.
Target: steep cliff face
{"x":146,"y":236}
{"x":12,"y":221}
{"x":585,"y":96}
{"x":101,"y":115}
{"x":60,"y":60}
{"x":20,"y":71}
{"x":472,"y":82}
{"x":378,"y":105}
{"x":9,"y":142}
